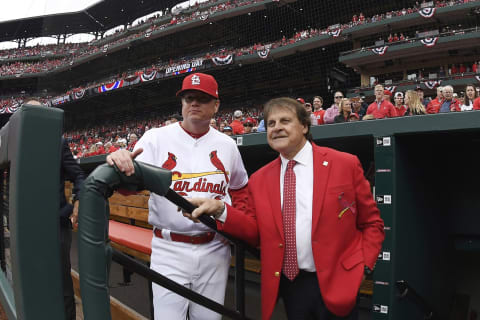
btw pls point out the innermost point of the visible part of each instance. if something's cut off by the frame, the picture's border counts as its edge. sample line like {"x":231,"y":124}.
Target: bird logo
{"x":218,"y":164}
{"x":171,"y":162}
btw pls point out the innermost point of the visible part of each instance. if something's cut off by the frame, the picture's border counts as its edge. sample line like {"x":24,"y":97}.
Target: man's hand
{"x":124,"y":160}
{"x":208,"y":206}
{"x":74,"y":216}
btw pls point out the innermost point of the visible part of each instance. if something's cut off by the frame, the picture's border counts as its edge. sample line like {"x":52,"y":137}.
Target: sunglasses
{"x":338,"y":97}
{"x":189,"y":98}
{"x":248,"y":124}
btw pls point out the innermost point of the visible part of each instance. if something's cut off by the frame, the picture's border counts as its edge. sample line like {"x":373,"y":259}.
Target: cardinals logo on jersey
{"x":218,"y":164}
{"x":171,"y":162}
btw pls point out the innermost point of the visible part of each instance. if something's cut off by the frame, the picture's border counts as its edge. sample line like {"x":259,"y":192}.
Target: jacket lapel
{"x":321,"y":171}
{"x":273,"y":178}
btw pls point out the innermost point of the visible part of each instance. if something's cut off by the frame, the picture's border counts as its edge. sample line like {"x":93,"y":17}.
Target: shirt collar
{"x":304,"y":156}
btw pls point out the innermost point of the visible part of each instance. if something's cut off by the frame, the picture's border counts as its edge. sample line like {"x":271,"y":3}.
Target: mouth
{"x":278,"y":137}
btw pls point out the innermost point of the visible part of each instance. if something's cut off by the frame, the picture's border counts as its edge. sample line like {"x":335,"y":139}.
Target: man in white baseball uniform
{"x":205,"y":163}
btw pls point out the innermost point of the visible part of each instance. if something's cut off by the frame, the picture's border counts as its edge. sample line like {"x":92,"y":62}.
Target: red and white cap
{"x":201,"y":82}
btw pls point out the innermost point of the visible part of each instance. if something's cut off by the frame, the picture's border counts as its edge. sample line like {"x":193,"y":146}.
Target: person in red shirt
{"x":380,"y":108}
{"x":448,"y":104}
{"x":476,"y":104}
{"x":462,"y":68}
{"x":454,"y":69}
{"x":400,"y":108}
{"x":318,"y":111}
{"x":237,"y":125}
{"x":434,"y":105}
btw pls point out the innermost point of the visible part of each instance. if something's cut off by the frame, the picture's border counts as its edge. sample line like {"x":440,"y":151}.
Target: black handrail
{"x":407,"y":292}
{"x":171,"y":285}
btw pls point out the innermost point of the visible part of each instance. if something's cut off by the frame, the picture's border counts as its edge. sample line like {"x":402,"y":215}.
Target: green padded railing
{"x":30,"y":146}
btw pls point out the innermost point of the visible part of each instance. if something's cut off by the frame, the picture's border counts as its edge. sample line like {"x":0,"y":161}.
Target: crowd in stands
{"x":106,"y":138}
{"x":81,"y":50}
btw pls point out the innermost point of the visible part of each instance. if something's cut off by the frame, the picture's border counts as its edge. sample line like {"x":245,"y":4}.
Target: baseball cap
{"x":388,"y":93}
{"x":301,"y":100}
{"x":354,"y":115}
{"x":418,"y":88}
{"x":398,"y":94}
{"x":201,"y":82}
{"x":227,"y":128}
{"x":238,"y":114}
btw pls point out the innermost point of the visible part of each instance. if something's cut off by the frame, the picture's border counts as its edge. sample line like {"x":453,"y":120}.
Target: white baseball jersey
{"x":205,"y":167}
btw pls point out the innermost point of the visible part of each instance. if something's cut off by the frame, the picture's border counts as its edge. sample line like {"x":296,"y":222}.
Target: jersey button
{"x":277,"y":274}
{"x":280,"y":245}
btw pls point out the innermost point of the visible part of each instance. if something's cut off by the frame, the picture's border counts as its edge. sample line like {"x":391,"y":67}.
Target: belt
{"x":197,"y":239}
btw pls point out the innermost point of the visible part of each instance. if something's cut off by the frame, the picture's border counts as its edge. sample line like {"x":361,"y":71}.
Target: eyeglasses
{"x":338,"y":97}
{"x":189,"y":98}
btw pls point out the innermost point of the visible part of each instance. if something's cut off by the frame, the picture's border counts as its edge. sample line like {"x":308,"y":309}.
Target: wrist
{"x":220,"y":210}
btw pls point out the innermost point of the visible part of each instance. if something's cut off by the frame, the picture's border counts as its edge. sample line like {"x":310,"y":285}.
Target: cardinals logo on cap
{"x":195,"y":80}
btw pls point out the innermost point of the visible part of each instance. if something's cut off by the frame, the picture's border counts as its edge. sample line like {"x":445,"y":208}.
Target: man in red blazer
{"x":337,"y":229}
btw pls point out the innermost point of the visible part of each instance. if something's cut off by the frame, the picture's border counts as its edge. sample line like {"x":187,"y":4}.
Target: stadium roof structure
{"x":101,"y":16}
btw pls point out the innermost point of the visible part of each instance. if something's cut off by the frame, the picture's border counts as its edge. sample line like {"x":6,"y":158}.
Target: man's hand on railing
{"x":123,"y":159}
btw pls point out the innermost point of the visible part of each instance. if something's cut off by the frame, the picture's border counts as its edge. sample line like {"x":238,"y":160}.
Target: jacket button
{"x":277,"y":274}
{"x":280,"y":245}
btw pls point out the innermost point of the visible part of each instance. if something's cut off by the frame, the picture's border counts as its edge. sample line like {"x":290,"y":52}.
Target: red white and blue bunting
{"x":391,"y":89}
{"x":131,"y":80}
{"x":223,"y":60}
{"x":432,"y":84}
{"x":263,"y":54}
{"x":148,"y":75}
{"x":9,"y":109}
{"x":78,"y":94}
{"x":429,"y":42}
{"x":184,"y":71}
{"x":427,"y":12}
{"x":335,"y":33}
{"x":380,"y":50}
{"x":110,"y":86}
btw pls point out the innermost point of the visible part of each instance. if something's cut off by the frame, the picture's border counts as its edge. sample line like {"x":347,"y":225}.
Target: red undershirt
{"x":194,"y":135}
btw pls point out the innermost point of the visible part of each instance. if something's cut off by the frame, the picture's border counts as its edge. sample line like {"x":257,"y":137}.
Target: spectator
{"x":400,"y":109}
{"x":261,"y":126}
{"x":434,"y":105}
{"x":247,"y":126}
{"x":308,"y":107}
{"x":476,"y":103}
{"x":359,"y":107}
{"x":132,"y":141}
{"x":334,"y":110}
{"x":380,"y":108}
{"x":213,"y":124}
{"x":415,"y":107}
{"x":228,"y":130}
{"x":449,"y":103}
{"x":236,"y":124}
{"x":344,"y":111}
{"x":470,"y":95}
{"x":387,"y":95}
{"x":318,"y":111}
{"x":420,"y":93}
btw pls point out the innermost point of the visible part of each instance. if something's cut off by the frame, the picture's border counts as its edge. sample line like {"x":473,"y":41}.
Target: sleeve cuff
{"x":223,"y":217}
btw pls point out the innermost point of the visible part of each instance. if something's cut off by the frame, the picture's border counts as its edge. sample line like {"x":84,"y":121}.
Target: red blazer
{"x":341,"y":246}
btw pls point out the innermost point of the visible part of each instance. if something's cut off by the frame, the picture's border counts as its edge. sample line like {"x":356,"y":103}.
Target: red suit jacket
{"x":341,"y":246}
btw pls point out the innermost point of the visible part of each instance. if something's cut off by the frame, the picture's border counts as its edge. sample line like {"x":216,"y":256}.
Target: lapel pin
{"x":325,"y":163}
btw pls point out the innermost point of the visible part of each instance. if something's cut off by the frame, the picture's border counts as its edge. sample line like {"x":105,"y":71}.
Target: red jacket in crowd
{"x":400,"y":111}
{"x":435,"y":105}
{"x":237,"y":127}
{"x":476,"y":104}
{"x":319,"y":116}
{"x":386,"y":110}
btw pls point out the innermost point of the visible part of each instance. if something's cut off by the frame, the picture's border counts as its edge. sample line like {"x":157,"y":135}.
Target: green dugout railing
{"x":30,"y":149}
